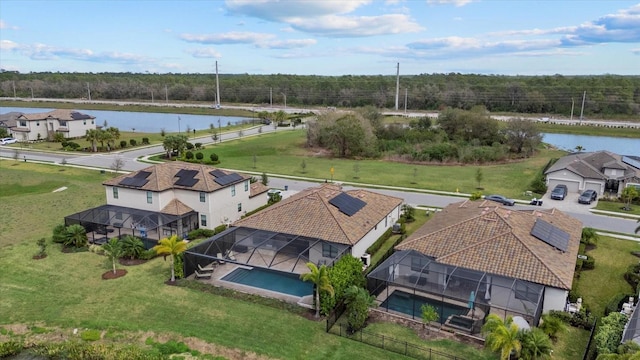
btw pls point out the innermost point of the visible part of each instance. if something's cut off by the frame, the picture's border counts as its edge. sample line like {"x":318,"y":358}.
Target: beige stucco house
{"x":37,"y":126}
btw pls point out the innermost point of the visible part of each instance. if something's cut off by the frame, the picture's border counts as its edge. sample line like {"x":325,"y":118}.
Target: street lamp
{"x":285,"y":100}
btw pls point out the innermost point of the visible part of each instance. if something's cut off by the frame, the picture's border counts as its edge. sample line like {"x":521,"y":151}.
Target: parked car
{"x":7,"y":141}
{"x":501,"y":199}
{"x":559,"y":192}
{"x":588,"y":196}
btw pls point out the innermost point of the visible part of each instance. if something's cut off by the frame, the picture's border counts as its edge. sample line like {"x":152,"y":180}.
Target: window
{"x":386,"y":221}
{"x":329,"y":251}
{"x":239,"y":207}
{"x":92,"y":122}
{"x":115,"y":192}
{"x":203,"y":220}
{"x":202,"y":197}
{"x":246,"y":185}
{"x":63,"y":123}
{"x":84,"y":122}
{"x":149,"y":197}
{"x":23,"y":123}
{"x":526,"y":291}
{"x":233,"y":190}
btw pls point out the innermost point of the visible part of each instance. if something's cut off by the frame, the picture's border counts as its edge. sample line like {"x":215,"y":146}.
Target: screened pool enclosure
{"x":410,"y":279}
{"x":265,"y":249}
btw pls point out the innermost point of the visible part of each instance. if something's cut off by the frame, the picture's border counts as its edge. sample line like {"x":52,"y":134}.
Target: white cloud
{"x":635,"y":51}
{"x":287,"y":44}
{"x":8,"y":45}
{"x":48,"y":52}
{"x":4,"y":25}
{"x":457,"y":3}
{"x":327,"y":18}
{"x":228,"y":38}
{"x":206,"y":53}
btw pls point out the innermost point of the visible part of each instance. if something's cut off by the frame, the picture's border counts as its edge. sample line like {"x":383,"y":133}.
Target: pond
{"x":148,"y":122}
{"x":622,"y":146}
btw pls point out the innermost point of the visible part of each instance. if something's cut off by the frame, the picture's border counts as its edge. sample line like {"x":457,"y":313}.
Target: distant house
{"x":485,"y":258}
{"x":171,"y":198}
{"x":37,"y":126}
{"x":317,"y":225}
{"x":600,"y":171}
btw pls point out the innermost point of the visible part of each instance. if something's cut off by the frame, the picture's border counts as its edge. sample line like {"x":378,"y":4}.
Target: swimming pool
{"x":410,"y":304}
{"x":270,"y":280}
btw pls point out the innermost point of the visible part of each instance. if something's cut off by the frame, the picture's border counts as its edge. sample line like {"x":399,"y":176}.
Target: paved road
{"x":131,"y":163}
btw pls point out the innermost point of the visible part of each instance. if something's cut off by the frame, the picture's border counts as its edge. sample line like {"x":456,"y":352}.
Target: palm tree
{"x":132,"y":246}
{"x":552,"y":326}
{"x":320,"y":279}
{"x":171,"y":247}
{"x":75,"y":235}
{"x":535,"y":344}
{"x":501,"y":336}
{"x":113,"y":249}
{"x":358,"y":301}
{"x":92,"y":136}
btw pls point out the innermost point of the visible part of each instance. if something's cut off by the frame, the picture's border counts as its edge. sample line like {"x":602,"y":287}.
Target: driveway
{"x":569,"y":204}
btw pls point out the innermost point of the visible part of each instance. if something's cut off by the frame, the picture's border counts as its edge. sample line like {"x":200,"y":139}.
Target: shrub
{"x":200,"y":233}
{"x":589,"y":263}
{"x":133,"y":142}
{"x":90,"y":335}
{"x":188,"y":155}
{"x":10,"y":348}
{"x":213,"y":157}
{"x":198,"y":146}
{"x":148,"y":254}
{"x":189,"y":146}
{"x":199,"y":156}
{"x":145,"y":141}
{"x":476,"y":196}
{"x":381,"y":240}
{"x":609,"y":333}
{"x":177,"y":266}
{"x":71,"y":145}
{"x":123,"y":144}
{"x":408,"y":213}
{"x":220,"y":228}
{"x":632,"y":276}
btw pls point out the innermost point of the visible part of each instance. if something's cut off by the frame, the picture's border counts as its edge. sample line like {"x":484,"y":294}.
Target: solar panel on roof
{"x":227,"y":179}
{"x":142,"y":174}
{"x":186,"y":181}
{"x":347,"y":204}
{"x":550,"y":234}
{"x":133,"y":181}
{"x":217,"y":173}
{"x":187,"y":173}
{"x":631,"y":161}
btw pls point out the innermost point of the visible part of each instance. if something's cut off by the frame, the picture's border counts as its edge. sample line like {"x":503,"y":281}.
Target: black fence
{"x":391,"y":344}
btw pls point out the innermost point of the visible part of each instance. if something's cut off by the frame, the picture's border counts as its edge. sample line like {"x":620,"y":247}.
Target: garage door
{"x":572,"y":186}
{"x":593,"y":186}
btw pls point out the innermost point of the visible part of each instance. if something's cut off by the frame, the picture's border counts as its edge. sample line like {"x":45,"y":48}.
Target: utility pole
{"x":397,"y":84}
{"x":89,"y":91}
{"x":31,"y":92}
{"x":584,"y":95}
{"x":270,"y":97}
{"x":14,"y":89}
{"x":152,"y":96}
{"x":166,"y":94}
{"x":217,"y":87}
{"x":285,"y":100}
{"x":572,"y":108}
{"x":405,"y":99}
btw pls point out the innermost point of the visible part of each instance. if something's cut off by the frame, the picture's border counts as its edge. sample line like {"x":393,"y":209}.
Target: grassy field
{"x":618,"y":207}
{"x":612,"y":257}
{"x":283,"y":153}
{"x":66,"y":290}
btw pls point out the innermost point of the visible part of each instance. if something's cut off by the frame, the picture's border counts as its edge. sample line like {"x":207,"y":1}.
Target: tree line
{"x":604,"y":95}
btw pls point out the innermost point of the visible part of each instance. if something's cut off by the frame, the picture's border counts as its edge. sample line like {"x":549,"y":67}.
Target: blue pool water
{"x":410,"y":304}
{"x":270,"y":280}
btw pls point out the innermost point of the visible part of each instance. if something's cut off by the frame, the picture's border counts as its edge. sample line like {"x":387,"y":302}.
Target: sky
{"x":322,"y":37}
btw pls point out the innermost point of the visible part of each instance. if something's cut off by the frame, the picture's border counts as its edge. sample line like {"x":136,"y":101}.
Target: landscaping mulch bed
{"x":110,"y":275}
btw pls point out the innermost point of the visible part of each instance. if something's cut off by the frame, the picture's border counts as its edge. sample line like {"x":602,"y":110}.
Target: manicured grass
{"x":283,"y":153}
{"x":599,"y":285}
{"x":618,"y":207}
{"x":589,"y":130}
{"x":66,"y":290}
{"x":571,"y":344}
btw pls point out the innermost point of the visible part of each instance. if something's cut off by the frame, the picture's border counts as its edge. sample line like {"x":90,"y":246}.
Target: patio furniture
{"x":206,"y":269}
{"x":230,"y":255}
{"x":220,"y":258}
{"x":203,"y":275}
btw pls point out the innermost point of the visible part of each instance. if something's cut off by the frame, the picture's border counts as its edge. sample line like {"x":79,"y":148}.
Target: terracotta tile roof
{"x":61,"y":114}
{"x":163,"y":177}
{"x":488,"y":237}
{"x":257,"y":188}
{"x":591,"y":165}
{"x":309,"y":213}
{"x":176,"y":207}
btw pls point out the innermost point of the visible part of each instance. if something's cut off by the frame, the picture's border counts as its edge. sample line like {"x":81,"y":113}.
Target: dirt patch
{"x":39,"y":257}
{"x":111,"y":275}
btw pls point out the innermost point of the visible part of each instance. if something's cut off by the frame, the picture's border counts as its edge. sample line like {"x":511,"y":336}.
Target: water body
{"x":622,"y":146}
{"x":147,"y":122}
{"x":154,"y":122}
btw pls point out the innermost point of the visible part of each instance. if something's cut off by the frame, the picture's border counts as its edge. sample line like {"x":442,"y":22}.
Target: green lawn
{"x":618,"y":207}
{"x":66,"y":290}
{"x":283,"y":153}
{"x":599,"y":285}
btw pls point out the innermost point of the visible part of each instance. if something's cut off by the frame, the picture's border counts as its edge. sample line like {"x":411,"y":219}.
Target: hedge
{"x":381,"y":240}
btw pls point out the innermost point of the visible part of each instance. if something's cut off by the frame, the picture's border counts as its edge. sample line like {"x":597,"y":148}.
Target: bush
{"x":214,"y":157}
{"x":123,"y":144}
{"x":198,"y":146}
{"x":381,"y":240}
{"x":632,"y":276}
{"x":199,"y":156}
{"x":10,"y":348}
{"x":133,"y":142}
{"x":476,"y":196}
{"x":538,"y":185}
{"x":188,"y":155}
{"x":177,"y":266}
{"x":589,"y":263}
{"x":189,"y":146}
{"x":59,"y":233}
{"x":200,"y":233}
{"x":609,"y":333}
{"x":148,"y":254}
{"x":90,"y":335}
{"x":145,"y":141}
{"x":220,"y":228}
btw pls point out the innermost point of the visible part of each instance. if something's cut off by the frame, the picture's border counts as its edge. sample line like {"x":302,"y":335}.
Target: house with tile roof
{"x":36,"y":126}
{"x":171,"y":198}
{"x":489,"y":258}
{"x":317,"y":225}
{"x":602,"y":171}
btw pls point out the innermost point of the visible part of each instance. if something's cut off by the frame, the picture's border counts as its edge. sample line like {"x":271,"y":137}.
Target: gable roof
{"x":163,"y":177}
{"x":310,"y":213}
{"x":487,"y":237}
{"x":60,"y":114}
{"x":592,"y":165}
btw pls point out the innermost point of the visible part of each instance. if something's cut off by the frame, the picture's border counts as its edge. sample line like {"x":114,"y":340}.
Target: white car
{"x":7,"y":141}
